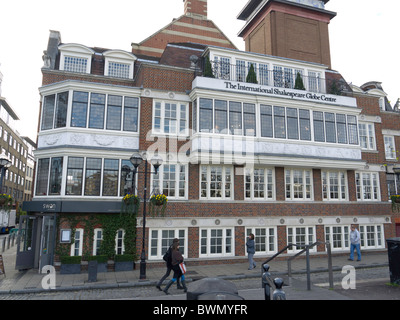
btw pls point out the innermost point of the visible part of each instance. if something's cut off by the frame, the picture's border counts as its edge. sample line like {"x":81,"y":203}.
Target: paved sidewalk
{"x":30,"y":281}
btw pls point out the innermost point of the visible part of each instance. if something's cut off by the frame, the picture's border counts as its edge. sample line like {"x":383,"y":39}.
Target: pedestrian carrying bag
{"x":182,"y":267}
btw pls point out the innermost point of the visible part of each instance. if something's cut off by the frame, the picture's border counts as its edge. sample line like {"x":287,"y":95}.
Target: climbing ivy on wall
{"x":109,"y":223}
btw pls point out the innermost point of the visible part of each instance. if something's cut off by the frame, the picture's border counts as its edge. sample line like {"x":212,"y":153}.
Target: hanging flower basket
{"x":130,"y":204}
{"x":6,"y":202}
{"x":158,"y":204}
{"x":395,"y":203}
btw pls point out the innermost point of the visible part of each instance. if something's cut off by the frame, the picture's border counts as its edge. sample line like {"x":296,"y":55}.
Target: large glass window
{"x":298,"y":184}
{"x":161,"y":240}
{"x":305,"y":127}
{"x":279,"y":122}
{"x":267,"y":129}
{"x":171,"y":180}
{"x":97,"y":107}
{"x":292,"y":123}
{"x":235,"y":118}
{"x":118,"y":69}
{"x":110,"y":177}
{"x":79,"y":109}
{"x":330,"y":127}
{"x":367,"y":186}
{"x":259,"y":184}
{"x":319,"y":131}
{"x":206,"y":115}
{"x":216,"y":242}
{"x":92,"y":177}
{"x":334,"y":186}
{"x":114,"y":112}
{"x":75,"y":64}
{"x":265,"y":239}
{"x":74,"y":176}
{"x":216,"y":182}
{"x":42,"y":177}
{"x":131,"y":110}
{"x":249,"y":119}
{"x":301,"y":236}
{"x":56,"y":176}
{"x":367,"y":136}
{"x":60,"y":120}
{"x":221,"y":117}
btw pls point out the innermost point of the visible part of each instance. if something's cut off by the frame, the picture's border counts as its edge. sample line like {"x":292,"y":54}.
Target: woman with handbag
{"x":177,"y":266}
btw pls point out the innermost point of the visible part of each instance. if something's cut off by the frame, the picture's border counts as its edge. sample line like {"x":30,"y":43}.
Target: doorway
{"x":397,"y":229}
{"x":36,"y":242}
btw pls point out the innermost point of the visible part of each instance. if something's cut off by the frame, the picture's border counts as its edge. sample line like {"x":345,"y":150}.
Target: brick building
{"x":269,"y":141}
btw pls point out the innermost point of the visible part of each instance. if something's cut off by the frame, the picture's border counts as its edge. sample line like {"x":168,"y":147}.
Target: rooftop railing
{"x":281,"y":77}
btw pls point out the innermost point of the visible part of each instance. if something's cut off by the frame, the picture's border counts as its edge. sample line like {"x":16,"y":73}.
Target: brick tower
{"x":296,"y":29}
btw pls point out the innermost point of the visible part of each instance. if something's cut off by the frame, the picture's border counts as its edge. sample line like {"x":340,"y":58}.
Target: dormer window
{"x":119,"y":64}
{"x":75,"y":58}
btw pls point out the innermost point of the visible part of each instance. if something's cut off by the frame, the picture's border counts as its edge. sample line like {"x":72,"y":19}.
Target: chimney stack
{"x":196,"y":8}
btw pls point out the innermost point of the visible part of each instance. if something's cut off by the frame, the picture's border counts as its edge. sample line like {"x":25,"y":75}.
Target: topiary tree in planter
{"x":251,"y":76}
{"x":298,"y":84}
{"x":208,"y":72}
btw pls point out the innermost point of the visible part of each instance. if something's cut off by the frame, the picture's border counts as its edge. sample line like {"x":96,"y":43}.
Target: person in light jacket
{"x":251,"y":250}
{"x":355,"y":243}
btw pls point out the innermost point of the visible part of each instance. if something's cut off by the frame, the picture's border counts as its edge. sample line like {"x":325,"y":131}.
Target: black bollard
{"x":278,"y":294}
{"x":266,"y":282}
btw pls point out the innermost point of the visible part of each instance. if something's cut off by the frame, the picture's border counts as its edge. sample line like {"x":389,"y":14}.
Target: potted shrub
{"x":130,"y":204}
{"x":70,"y":265}
{"x":6,"y":202}
{"x":123,"y":262}
{"x":101,"y":262}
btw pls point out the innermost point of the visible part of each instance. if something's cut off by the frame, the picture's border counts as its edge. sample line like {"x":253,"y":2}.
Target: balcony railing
{"x":282,"y":77}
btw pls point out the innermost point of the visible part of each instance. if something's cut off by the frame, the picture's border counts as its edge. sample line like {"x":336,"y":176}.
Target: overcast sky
{"x":363,"y":37}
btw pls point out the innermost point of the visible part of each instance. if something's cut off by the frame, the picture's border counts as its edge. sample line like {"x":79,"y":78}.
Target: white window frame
{"x":340,"y":185}
{"x":95,"y":239}
{"x":271,"y":239}
{"x":157,"y":242}
{"x":76,"y":51}
{"x":307,"y":235}
{"x":361,"y":189}
{"x":223,"y":182}
{"x":122,"y":247}
{"x":250,"y":172}
{"x":179,"y":118}
{"x":207,"y":242}
{"x":332,"y":237}
{"x":119,"y":57}
{"x":160,"y":178}
{"x":78,"y":245}
{"x":378,"y":236}
{"x":304,"y":185}
{"x":390,"y":147}
{"x":369,"y":135}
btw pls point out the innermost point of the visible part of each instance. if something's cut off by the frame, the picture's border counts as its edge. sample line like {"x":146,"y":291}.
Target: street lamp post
{"x":156,"y":161}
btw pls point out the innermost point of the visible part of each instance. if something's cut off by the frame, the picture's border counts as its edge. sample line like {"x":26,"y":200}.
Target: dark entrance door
{"x":397,"y":229}
{"x":47,"y":241}
{"x":26,"y":243}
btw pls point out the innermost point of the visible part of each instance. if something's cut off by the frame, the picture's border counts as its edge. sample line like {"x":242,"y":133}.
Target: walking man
{"x":355,"y":243}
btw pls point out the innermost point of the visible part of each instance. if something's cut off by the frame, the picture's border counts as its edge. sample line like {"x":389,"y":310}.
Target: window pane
{"x":266,"y":121}
{"x":56,"y":176}
{"x":79,"y":109}
{"x":131,"y":107}
{"x":92,"y":177}
{"x":206,"y":115}
{"x":42,"y":176}
{"x":114,"y":112}
{"x":96,"y":116}
{"x":249,"y":119}
{"x":330,"y":127}
{"x":221,"y":117}
{"x":319,"y":131}
{"x":235,"y":118}
{"x":305,"y":128}
{"x":74,"y":176}
{"x":61,"y":110}
{"x":110,"y":177}
{"x":48,"y":112}
{"x":279,"y":120}
{"x":292,"y":123}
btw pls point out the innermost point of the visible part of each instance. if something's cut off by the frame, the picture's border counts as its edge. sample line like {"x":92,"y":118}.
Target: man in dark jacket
{"x":168,"y":260}
{"x":251,"y":250}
